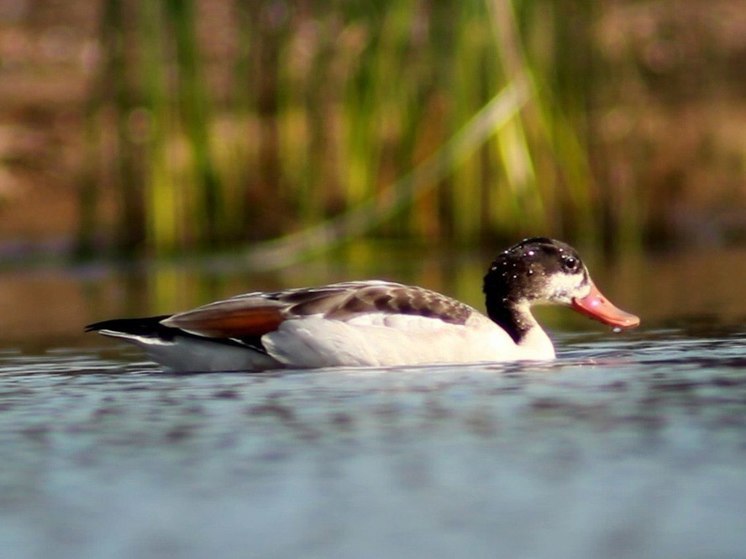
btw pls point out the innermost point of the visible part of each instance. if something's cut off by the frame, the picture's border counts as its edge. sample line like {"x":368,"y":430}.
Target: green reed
{"x":163,"y":200}
{"x":195,"y":116}
{"x":111,"y":149}
{"x":329,"y":104}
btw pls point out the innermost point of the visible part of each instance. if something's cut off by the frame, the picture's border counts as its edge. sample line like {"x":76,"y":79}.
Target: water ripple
{"x":638,"y":439}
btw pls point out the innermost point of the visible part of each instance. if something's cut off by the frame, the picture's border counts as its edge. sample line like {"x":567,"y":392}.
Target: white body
{"x":368,"y":340}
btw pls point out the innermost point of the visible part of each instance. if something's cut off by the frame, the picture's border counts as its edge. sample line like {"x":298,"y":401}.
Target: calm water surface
{"x":627,"y":446}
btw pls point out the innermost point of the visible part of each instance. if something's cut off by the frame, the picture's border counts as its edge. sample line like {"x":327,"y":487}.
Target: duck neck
{"x":518,"y":322}
{"x":515,"y":318}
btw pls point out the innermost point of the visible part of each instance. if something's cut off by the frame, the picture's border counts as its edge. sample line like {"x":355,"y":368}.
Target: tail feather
{"x":182,"y":351}
{"x":150,"y":330}
{"x":149,"y":327}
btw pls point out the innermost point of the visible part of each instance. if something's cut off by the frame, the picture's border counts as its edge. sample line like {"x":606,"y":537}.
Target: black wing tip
{"x":151,"y":327}
{"x":138,"y":326}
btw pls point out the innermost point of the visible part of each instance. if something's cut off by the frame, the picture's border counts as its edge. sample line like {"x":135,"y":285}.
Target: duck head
{"x":540,"y":270}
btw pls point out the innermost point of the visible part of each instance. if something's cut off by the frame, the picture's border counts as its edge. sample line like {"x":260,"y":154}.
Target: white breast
{"x":377,"y":339}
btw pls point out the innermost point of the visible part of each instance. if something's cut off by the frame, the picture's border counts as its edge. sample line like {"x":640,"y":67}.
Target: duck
{"x":376,"y":323}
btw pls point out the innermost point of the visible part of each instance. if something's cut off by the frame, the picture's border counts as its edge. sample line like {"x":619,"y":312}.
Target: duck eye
{"x":570,"y":264}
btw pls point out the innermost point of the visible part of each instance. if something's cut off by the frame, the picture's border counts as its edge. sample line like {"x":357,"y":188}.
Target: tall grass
{"x":341,"y":118}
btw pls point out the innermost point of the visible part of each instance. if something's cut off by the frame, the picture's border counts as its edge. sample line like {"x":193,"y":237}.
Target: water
{"x":627,"y":446}
{"x":623,"y":448}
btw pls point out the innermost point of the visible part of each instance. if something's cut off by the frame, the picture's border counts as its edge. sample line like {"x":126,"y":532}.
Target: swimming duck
{"x":377,"y":323}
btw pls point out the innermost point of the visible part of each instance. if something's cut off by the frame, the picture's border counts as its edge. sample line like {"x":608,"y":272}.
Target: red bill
{"x":598,"y":307}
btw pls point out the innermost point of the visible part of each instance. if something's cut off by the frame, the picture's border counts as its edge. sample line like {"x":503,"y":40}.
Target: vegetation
{"x":319,"y":120}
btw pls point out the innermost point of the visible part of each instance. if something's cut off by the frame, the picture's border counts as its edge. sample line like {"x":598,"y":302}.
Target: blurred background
{"x":156,"y":154}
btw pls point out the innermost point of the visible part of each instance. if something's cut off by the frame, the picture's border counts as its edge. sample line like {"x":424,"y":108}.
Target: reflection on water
{"x":628,"y":446}
{"x":47,"y":306}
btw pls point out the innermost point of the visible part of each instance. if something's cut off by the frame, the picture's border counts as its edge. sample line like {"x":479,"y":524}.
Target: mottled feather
{"x":255,"y":314}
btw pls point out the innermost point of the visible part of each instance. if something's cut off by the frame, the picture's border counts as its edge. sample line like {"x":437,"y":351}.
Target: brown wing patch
{"x":220,"y":322}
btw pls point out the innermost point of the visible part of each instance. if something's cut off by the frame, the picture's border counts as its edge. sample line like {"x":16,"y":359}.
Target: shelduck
{"x":377,"y":323}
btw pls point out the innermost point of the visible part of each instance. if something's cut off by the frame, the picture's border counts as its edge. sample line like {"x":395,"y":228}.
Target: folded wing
{"x":256,"y":314}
